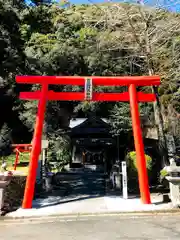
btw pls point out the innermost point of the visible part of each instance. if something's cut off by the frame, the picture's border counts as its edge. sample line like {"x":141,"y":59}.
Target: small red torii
{"x":131,"y":96}
{"x":18,"y":148}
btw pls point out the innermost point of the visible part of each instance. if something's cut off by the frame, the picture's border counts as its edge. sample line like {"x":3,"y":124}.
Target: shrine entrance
{"x":133,"y":96}
{"x":91,"y":142}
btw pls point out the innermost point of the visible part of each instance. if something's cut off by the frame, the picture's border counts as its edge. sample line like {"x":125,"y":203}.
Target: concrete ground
{"x":94,"y":228}
{"x":86,"y":194}
{"x":89,"y":205}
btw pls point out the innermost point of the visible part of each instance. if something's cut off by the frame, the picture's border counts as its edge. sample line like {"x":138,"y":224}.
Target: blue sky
{"x":172,"y":5}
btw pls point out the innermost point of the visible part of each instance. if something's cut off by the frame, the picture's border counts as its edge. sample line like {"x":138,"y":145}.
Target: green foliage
{"x":59,"y":150}
{"x":162,"y":178}
{"x":132,"y":163}
{"x":132,"y":170}
{"x":163,"y":173}
{"x":23,"y":158}
{"x":46,"y":39}
{"x":120,"y":118}
{"x":11,"y":44}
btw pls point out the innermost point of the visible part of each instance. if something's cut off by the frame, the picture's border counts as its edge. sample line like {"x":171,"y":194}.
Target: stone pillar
{"x":42,"y":170}
{"x":73,"y":153}
{"x":116,"y":177}
{"x":4,"y":181}
{"x":174,"y":194}
{"x":118,"y":181}
{"x":1,"y":198}
{"x":39,"y":172}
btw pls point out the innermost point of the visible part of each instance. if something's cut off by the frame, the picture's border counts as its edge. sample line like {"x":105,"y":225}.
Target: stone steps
{"x":81,"y":183}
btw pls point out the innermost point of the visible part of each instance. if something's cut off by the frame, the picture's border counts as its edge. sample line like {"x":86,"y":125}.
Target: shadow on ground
{"x":74,"y":187}
{"x":71,"y":187}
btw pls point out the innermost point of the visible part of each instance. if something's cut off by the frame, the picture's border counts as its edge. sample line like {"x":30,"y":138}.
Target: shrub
{"x":162,"y":178}
{"x":163,"y":173}
{"x":132,"y":170}
{"x":131,"y":161}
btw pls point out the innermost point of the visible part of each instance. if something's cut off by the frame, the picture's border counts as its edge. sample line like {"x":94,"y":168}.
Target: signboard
{"x":88,"y":89}
{"x":124,"y":179}
{"x":44,"y":144}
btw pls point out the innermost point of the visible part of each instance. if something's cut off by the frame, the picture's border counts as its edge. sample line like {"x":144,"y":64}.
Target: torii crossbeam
{"x":131,"y":96}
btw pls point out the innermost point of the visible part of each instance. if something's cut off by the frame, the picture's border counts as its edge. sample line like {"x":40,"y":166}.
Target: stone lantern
{"x":174,"y":182}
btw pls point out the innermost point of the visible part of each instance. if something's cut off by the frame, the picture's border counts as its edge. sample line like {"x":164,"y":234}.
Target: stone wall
{"x":14,"y":193}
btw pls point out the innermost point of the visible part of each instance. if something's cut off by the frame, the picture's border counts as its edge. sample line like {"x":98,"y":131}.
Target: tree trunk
{"x":147,"y":51}
{"x":158,"y":118}
{"x":156,"y":105}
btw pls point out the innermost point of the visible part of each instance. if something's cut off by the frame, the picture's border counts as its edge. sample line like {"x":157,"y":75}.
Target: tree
{"x":12,"y":62}
{"x":120,"y":118}
{"x":151,"y":38}
{"x":148,"y":33}
{"x":105,"y":39}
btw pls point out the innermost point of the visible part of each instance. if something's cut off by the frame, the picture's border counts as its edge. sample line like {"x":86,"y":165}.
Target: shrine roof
{"x":78,"y":121}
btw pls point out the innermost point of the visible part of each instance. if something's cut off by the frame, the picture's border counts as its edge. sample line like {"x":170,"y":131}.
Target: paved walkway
{"x":86,"y":195}
{"x":88,"y":205}
{"x":95,"y":228}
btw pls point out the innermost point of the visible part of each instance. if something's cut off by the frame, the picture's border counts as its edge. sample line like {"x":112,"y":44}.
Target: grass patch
{"x":23,"y":170}
{"x":23,"y":160}
{"x":23,"y":157}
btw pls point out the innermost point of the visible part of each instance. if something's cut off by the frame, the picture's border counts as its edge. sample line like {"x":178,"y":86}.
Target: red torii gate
{"x":131,"y":96}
